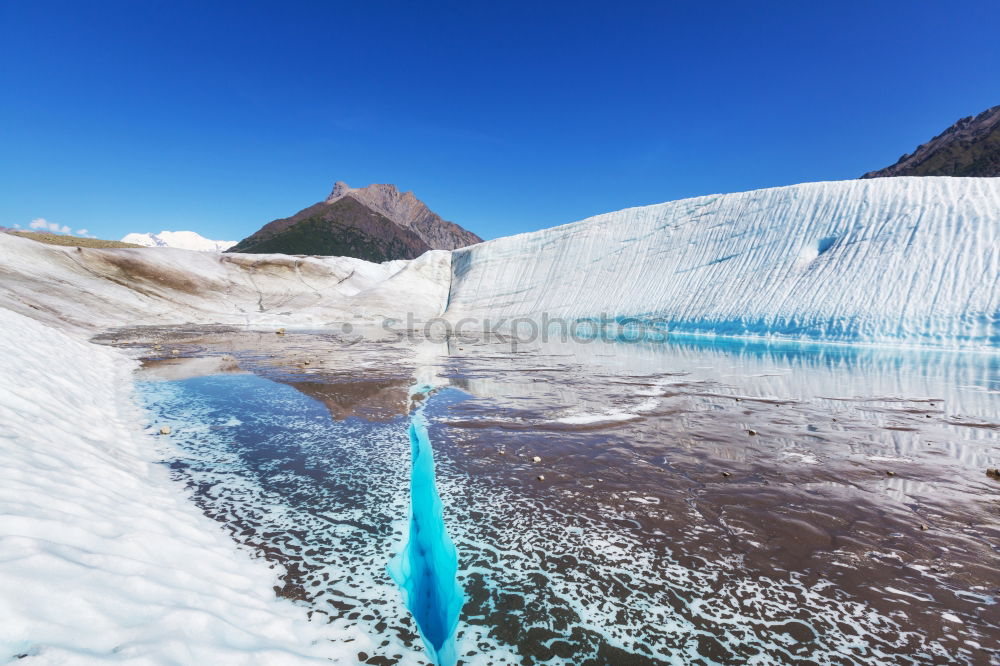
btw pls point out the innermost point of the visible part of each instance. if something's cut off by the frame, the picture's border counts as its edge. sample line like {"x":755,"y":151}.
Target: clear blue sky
{"x":504,"y":117}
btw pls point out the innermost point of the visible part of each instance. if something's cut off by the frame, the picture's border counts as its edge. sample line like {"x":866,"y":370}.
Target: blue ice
{"x":427,"y":567}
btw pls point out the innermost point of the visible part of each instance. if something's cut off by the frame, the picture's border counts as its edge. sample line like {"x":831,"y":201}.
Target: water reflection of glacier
{"x":962,"y":389}
{"x":794,"y":370}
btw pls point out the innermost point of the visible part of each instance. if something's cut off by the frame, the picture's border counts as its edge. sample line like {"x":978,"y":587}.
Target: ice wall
{"x":912,"y":261}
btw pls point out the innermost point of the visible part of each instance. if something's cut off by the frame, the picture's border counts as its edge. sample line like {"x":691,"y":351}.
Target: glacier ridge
{"x":899,"y":261}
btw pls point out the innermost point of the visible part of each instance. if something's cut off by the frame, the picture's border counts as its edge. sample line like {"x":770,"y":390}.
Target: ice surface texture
{"x":911,"y":261}
{"x":92,"y":289}
{"x":427,"y":567}
{"x":102,"y":558}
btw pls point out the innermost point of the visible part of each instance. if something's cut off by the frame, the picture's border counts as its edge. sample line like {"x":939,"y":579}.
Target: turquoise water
{"x":427,"y":568}
{"x":327,"y":499}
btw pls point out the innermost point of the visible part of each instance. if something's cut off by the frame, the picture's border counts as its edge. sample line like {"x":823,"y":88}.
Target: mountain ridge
{"x":376,"y":223}
{"x":344,"y":228}
{"x":406,"y":210}
{"x":970,"y":147}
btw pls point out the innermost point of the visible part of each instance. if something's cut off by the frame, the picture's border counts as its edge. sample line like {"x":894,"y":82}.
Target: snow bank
{"x":890,"y":260}
{"x":94,"y":289}
{"x":102,"y":558}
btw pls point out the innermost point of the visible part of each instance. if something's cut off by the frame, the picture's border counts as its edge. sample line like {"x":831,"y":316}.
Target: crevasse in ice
{"x":427,"y":567}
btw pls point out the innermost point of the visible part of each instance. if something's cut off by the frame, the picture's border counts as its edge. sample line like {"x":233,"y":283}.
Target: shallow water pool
{"x":692,"y":503}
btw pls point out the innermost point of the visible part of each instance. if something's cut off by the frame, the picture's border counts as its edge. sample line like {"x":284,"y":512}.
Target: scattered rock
{"x":993,"y":473}
{"x":536,"y":459}
{"x":306,"y":362}
{"x":540,"y":477}
{"x":751,"y":432}
{"x":923,"y":527}
{"x":727,"y":474}
{"x":890,"y":473}
{"x":164,"y":430}
{"x":175,"y":351}
{"x":280,"y":331}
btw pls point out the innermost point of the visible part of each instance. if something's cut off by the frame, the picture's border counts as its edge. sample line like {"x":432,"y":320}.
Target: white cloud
{"x":17,"y":226}
{"x":42,"y":223}
{"x":83,"y":232}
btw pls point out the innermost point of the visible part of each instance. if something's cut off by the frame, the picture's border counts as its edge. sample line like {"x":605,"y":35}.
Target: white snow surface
{"x":182,"y":240}
{"x":910,"y":261}
{"x":102,"y":558}
{"x":94,"y":289}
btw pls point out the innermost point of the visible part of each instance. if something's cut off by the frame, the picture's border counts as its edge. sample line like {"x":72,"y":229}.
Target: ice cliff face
{"x":896,"y":260}
{"x":182,"y":240}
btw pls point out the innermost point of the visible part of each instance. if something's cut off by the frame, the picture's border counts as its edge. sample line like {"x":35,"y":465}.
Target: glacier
{"x":900,"y":261}
{"x":895,"y":261}
{"x":87,"y":290}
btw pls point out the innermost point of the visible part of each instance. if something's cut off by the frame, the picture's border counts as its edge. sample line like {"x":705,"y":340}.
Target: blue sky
{"x":503,"y":117}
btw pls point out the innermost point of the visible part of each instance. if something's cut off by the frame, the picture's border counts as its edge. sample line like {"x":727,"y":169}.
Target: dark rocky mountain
{"x":970,"y":147}
{"x":345,"y":228}
{"x":376,"y":223}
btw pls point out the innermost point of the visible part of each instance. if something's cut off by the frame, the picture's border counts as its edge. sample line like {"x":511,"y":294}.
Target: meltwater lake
{"x":603,"y":502}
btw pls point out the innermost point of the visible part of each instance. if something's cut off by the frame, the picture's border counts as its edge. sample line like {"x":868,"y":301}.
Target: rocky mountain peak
{"x":340,"y":188}
{"x":970,"y":147}
{"x":409,"y":212}
{"x":377,"y":223}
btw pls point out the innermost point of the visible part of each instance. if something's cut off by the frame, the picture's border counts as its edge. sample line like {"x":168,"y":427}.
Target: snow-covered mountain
{"x":912,"y":261}
{"x":182,"y":240}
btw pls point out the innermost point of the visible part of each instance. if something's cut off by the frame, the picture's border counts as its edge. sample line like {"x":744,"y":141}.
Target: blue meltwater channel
{"x":426,"y":569}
